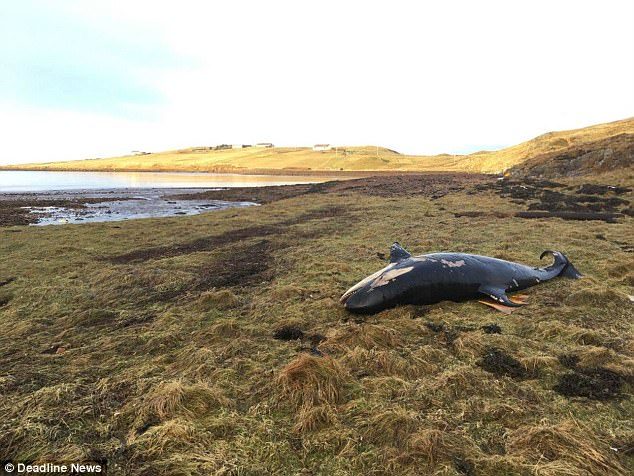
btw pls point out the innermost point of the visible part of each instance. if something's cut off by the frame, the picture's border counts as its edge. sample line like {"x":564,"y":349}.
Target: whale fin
{"x":499,"y":295}
{"x":498,"y":307}
{"x":519,"y":298}
{"x":398,"y":253}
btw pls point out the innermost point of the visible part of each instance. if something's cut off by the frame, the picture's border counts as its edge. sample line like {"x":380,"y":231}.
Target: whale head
{"x":376,"y":292}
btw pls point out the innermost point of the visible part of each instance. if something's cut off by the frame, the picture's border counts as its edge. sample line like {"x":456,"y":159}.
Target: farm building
{"x":322,"y":147}
{"x":266,"y":145}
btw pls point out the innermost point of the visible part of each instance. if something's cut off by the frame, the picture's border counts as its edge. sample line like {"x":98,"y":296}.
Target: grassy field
{"x":344,"y":158}
{"x":151,"y":343}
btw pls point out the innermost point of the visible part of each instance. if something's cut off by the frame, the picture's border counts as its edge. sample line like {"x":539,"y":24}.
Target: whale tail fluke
{"x":571,"y":272}
{"x":568,"y":270}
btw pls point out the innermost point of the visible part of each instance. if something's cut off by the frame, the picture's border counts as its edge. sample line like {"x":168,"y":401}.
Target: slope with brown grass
{"x":348,"y":158}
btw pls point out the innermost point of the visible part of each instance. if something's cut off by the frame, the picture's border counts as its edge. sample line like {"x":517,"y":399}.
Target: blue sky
{"x":52,"y":58}
{"x":88,"y":79}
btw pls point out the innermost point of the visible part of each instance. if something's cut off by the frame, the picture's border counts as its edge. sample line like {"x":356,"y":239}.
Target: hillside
{"x":364,"y":158}
{"x":612,"y":153}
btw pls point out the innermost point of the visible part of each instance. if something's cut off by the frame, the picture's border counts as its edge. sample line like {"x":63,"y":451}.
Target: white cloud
{"x":417,"y":77}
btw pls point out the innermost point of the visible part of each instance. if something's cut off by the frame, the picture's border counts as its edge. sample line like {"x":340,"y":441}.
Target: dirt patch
{"x":582,"y":216}
{"x":491,"y":329}
{"x":595,"y":384}
{"x":464,"y":466}
{"x":499,"y":362}
{"x":546,"y":199}
{"x":435,"y":327}
{"x":288,"y":333}
{"x":245,"y":265}
{"x":568,"y":360}
{"x":557,"y":201}
{"x":594,"y":189}
{"x":430,"y":185}
{"x":434,"y":185}
{"x":210,"y":243}
{"x":447,"y":333}
{"x":478,"y":213}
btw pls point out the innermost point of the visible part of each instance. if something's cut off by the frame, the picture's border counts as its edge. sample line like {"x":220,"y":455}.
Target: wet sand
{"x":64,"y":207}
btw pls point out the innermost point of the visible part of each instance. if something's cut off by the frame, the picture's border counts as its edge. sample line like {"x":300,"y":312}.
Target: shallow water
{"x":129,"y":205}
{"x":12,"y":181}
{"x":128,"y":195}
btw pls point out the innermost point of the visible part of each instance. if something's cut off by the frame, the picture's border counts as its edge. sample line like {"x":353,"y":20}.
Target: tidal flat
{"x":215,"y":343}
{"x":90,"y":206}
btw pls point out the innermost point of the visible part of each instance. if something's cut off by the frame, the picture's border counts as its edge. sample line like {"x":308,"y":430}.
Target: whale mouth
{"x":359,"y":286}
{"x":348,"y":294}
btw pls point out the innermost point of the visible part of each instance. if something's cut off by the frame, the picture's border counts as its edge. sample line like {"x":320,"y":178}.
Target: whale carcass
{"x":435,"y":277}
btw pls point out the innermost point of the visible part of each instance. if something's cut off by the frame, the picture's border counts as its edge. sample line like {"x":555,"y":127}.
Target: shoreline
{"x":16,"y":207}
{"x":232,"y":171}
{"x":546,"y":198}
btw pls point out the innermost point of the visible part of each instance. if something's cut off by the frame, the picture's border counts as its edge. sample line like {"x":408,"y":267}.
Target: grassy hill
{"x":359,"y":158}
{"x":603,"y":155}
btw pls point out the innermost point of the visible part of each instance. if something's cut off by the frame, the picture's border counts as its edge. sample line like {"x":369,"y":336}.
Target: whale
{"x":446,"y":276}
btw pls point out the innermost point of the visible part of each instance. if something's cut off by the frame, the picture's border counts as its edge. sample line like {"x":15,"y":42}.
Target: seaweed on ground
{"x":597,"y":384}
{"x":499,"y":362}
{"x":288,"y":333}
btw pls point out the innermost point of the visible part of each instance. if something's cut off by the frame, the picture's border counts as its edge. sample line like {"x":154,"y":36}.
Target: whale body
{"x":435,"y":277}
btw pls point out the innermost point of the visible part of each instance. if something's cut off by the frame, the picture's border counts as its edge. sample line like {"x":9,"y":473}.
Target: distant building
{"x":322,"y":147}
{"x":240,"y":146}
{"x":264,"y":144}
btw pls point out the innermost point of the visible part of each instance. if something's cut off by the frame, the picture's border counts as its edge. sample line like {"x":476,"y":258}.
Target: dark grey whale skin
{"x":431,"y":278}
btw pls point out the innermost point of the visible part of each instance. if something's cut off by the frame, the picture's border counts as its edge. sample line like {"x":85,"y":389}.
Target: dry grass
{"x":311,"y":418}
{"x":223,"y":299}
{"x":563,"y":448}
{"x":161,"y":378}
{"x":309,"y":381}
{"x":391,"y":427}
{"x":534,"y":363}
{"x":348,"y":158}
{"x":432,"y":445}
{"x":367,"y":336}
